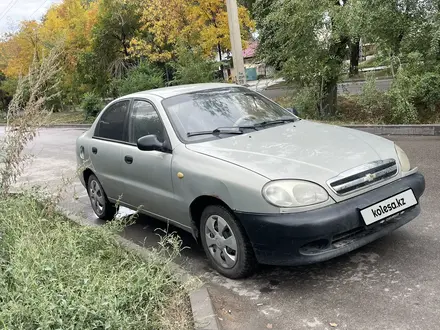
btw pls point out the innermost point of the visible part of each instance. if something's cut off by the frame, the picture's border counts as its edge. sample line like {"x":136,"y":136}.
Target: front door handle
{"x":94,"y":150}
{"x":128,"y":159}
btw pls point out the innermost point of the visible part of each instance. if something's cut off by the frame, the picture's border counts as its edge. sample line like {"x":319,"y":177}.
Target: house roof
{"x":251,"y":50}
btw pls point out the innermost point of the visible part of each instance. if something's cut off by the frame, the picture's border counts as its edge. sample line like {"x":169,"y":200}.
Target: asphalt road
{"x":352,"y":88}
{"x":393,"y":283}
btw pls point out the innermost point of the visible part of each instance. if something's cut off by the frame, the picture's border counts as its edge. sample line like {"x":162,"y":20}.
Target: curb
{"x":201,"y":305}
{"x":355,"y":80}
{"x":203,"y":310}
{"x":416,"y":130}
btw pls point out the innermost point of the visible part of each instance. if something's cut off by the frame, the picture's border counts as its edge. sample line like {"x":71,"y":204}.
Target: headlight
{"x":294,"y":193}
{"x":403,"y":159}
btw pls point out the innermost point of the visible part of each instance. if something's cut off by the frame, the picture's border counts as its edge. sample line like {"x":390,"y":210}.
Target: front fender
{"x":237,"y":187}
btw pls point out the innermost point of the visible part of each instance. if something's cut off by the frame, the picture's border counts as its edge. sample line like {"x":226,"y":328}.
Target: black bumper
{"x":322,"y":234}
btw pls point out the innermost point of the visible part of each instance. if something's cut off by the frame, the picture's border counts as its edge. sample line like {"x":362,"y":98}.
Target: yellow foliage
{"x":18,"y":51}
{"x":202,"y":23}
{"x":69,"y":22}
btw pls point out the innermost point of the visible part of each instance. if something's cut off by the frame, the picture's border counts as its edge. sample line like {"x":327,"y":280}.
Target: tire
{"x":219,"y":230}
{"x":98,"y":199}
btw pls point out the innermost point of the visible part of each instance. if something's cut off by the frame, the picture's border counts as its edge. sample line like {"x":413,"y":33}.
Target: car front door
{"x":105,"y":148}
{"x":147,"y":174}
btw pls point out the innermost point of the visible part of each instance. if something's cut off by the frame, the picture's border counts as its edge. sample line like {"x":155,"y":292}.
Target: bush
{"x":306,"y":103}
{"x":91,"y":105}
{"x":372,"y":105}
{"x":143,"y":77}
{"x":191,"y":68}
{"x":57,"y":275}
{"x":426,"y":95}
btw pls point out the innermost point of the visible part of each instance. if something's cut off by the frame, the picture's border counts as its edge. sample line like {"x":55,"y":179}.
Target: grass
{"x":70,"y":117}
{"x":57,"y":275}
{"x":374,"y":62}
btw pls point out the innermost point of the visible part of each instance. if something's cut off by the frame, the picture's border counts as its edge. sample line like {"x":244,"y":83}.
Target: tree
{"x":117,"y":23}
{"x":17,"y":51}
{"x":308,"y":40}
{"x":209,"y":23}
{"x":202,"y":23}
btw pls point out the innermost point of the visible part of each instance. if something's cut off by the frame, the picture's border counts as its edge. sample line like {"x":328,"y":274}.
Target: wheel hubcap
{"x":96,"y":197}
{"x":221,"y":241}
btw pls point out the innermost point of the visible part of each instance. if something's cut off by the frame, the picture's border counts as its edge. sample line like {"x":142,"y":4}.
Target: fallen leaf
{"x":269,"y":326}
{"x":334,"y":325}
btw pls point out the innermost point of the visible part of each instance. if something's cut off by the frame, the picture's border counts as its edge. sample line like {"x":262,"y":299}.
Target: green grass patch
{"x":58,"y":118}
{"x":55,"y":274}
{"x":374,"y":62}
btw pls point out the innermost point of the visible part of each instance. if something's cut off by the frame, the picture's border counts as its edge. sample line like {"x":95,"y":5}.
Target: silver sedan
{"x":250,"y":180}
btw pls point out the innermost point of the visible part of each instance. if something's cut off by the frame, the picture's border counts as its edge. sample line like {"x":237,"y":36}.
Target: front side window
{"x":112,"y":124}
{"x":145,"y":121}
{"x":233,"y":108}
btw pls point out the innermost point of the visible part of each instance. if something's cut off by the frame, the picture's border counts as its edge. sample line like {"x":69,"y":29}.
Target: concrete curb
{"x":421,"y":130}
{"x":201,"y":305}
{"x":203,"y":310}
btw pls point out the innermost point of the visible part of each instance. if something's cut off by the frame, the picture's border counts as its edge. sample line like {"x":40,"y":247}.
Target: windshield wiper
{"x":222,"y":130}
{"x":275,"y":122}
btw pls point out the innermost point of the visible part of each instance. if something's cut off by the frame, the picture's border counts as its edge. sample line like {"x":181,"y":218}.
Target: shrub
{"x":426,"y":94}
{"x":91,"y":105}
{"x":306,"y":102}
{"x":191,"y":67}
{"x":27,"y":113}
{"x":371,"y":106}
{"x":57,"y":275}
{"x":143,"y":77}
{"x":402,"y":109}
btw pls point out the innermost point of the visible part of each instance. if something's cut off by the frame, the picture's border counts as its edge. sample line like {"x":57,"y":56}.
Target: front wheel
{"x":225,"y":243}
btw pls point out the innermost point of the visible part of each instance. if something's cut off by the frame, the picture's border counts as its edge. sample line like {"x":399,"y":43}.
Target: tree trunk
{"x":354,"y":57}
{"x":330,"y":98}
{"x":219,"y":48}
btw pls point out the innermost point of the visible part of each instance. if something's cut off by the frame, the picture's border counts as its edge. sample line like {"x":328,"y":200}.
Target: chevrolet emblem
{"x":370,"y":177}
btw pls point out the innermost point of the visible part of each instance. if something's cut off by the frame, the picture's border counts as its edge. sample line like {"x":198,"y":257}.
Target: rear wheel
{"x":225,"y":243}
{"x":98,"y":199}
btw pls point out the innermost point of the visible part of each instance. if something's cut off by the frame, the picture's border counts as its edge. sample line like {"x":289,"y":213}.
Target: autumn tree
{"x":202,"y":23}
{"x":17,"y":51}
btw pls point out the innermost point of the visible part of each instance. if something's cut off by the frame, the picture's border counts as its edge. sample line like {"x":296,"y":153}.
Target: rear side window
{"x":146,"y":121}
{"x":112,"y":124}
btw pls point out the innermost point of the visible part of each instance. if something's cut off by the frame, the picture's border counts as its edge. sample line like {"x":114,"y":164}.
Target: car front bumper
{"x":322,"y":234}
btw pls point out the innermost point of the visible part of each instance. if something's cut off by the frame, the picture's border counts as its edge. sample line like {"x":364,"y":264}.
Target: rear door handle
{"x":94,"y":150}
{"x":128,"y":159}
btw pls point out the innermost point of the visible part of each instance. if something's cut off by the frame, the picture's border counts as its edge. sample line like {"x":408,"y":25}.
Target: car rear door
{"x":105,"y":148}
{"x":147,"y":174}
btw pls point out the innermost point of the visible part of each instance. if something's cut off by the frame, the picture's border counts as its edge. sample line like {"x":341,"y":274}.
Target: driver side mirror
{"x":293,"y":110}
{"x":150,"y":143}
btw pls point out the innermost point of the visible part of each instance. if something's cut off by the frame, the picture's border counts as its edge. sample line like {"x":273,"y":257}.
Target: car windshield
{"x":220,"y":113}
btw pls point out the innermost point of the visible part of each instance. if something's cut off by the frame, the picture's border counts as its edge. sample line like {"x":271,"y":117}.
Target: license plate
{"x":388,"y":207}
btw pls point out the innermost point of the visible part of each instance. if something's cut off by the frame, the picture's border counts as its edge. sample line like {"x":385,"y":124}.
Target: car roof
{"x":166,"y":92}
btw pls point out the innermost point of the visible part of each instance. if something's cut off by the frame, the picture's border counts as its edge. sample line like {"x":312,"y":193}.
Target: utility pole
{"x":235,"y":36}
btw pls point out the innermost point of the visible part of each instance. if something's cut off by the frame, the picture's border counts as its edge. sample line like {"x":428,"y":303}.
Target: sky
{"x":14,"y":11}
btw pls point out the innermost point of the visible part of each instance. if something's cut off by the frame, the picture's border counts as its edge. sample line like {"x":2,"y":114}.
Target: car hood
{"x":300,"y":150}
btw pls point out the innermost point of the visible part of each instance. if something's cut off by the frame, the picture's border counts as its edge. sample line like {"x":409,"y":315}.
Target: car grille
{"x":363,"y":176}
